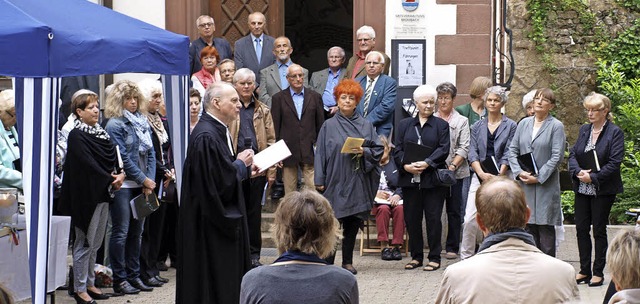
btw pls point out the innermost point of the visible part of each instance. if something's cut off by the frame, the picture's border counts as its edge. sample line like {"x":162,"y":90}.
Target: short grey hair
{"x":378,"y":54}
{"x":226,"y":60}
{"x":365,"y":29}
{"x":215,"y":90}
{"x":423,"y":91}
{"x":527,"y":98}
{"x":497,"y":90}
{"x":336,"y":48}
{"x":205,"y":16}
{"x":244,"y":73}
{"x":7,"y":100}
{"x":149,"y":86}
{"x":294,"y":66}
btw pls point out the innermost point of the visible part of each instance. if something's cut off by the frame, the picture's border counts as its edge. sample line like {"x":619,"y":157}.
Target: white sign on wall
{"x":410,"y":64}
{"x":410,"y":26}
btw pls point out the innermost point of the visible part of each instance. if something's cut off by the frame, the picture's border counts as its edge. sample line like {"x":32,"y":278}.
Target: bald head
{"x":501,"y":206}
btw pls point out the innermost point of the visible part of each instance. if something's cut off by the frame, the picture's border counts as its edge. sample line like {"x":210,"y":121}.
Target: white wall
{"x":440,"y":20}
{"x":149,"y":11}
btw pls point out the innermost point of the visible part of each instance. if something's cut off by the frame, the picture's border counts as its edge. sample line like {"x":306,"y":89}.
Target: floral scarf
{"x":95,"y":130}
{"x":158,"y":127}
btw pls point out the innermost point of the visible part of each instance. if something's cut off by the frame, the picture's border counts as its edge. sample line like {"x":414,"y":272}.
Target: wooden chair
{"x":370,"y":244}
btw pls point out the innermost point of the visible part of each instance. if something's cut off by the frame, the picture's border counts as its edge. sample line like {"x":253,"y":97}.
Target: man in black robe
{"x":213,"y":244}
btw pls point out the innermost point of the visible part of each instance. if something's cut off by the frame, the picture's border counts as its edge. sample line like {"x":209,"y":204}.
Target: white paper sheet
{"x":271,"y":155}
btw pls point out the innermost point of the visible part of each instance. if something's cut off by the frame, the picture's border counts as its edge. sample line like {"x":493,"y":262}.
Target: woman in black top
{"x":420,"y":187}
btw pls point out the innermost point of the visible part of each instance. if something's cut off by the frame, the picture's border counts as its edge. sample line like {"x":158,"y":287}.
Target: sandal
{"x":431,"y":266}
{"x":413,"y":265}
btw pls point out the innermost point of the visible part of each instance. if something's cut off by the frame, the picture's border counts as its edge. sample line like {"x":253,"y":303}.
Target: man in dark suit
{"x":206,"y":27}
{"x":297,"y":117}
{"x":273,"y":78}
{"x":325,"y":80}
{"x":248,"y":48}
{"x":377,"y":104}
{"x":366,"y":37}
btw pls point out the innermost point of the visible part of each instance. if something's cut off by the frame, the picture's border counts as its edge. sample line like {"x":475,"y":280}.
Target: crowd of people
{"x":498,"y":180}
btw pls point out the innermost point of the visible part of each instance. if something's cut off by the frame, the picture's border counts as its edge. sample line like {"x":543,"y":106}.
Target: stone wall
{"x":573,"y":66}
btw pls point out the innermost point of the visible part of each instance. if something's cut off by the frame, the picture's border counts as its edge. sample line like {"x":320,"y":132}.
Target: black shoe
{"x":386,"y":254}
{"x":161,"y":279}
{"x":137,"y":283}
{"x":152,"y":282}
{"x":162,"y":266}
{"x":125,"y":288}
{"x":396,"y":255}
{"x":97,"y":296}
{"x":255,"y":263}
{"x":350,"y":268}
{"x":79,"y":300}
{"x":596,"y":283}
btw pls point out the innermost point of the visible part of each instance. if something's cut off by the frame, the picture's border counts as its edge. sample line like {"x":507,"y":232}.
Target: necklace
{"x":593,"y":130}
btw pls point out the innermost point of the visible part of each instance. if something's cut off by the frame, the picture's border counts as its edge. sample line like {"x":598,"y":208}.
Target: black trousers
{"x":545,"y":237}
{"x":350,"y":226}
{"x":430,"y":203}
{"x":169,"y":235}
{"x":151,"y":242}
{"x":592,"y":210}
{"x":453,"y":201}
{"x":253,"y":189}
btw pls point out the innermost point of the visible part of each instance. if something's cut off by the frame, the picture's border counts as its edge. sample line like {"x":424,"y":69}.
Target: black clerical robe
{"x":213,"y":245}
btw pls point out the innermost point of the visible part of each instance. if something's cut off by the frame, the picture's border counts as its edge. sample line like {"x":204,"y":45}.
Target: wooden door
{"x":231,"y":17}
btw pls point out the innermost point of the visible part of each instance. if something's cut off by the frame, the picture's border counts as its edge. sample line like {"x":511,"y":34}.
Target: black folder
{"x":528,"y":163}
{"x":489,"y":165}
{"x":588,"y":161}
{"x":414,"y":152}
{"x":143,"y":205}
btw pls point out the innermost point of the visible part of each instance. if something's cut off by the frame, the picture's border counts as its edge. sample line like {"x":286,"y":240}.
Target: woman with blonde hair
{"x":595,"y":190}
{"x":129,"y":130}
{"x":306,"y":232}
{"x":623,"y":257}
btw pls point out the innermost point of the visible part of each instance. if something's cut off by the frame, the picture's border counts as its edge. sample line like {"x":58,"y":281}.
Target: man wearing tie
{"x":254,"y":51}
{"x":377,"y":105}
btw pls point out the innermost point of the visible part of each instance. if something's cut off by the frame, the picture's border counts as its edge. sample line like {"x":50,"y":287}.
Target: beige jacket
{"x":263,"y":126}
{"x":509,"y":272}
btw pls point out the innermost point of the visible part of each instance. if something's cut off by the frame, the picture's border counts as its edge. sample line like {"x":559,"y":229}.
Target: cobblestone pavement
{"x":379,"y":281}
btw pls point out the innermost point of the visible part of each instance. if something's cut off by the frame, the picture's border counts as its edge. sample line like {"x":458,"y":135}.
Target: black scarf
{"x":496,"y":238}
{"x":295,"y":255}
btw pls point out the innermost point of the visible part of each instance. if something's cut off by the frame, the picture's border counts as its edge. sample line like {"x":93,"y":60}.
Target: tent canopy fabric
{"x":41,"y":41}
{"x":77,"y":37}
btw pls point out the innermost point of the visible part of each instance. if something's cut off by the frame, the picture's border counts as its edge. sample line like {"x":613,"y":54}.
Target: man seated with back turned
{"x":508,"y":267}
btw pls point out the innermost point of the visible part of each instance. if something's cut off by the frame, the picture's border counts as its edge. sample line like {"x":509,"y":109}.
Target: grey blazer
{"x":270,"y":82}
{"x":547,"y":148}
{"x":245,"y":55}
{"x":319,"y":79}
{"x":503,"y":135}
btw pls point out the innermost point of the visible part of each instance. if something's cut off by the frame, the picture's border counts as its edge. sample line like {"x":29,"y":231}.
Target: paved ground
{"x":379,"y":281}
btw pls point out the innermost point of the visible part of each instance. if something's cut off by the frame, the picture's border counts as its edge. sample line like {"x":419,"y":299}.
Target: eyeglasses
{"x":587,"y":111}
{"x":245,"y":83}
{"x":209,"y":58}
{"x":372,"y":63}
{"x":208,"y":24}
{"x":364,"y":39}
{"x":295,"y":76}
{"x":10,"y":114}
{"x":542,"y":99}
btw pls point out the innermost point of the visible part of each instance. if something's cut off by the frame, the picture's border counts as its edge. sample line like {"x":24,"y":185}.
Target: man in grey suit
{"x":206,"y":27}
{"x":273,"y":78}
{"x":325,"y":80}
{"x":247,"y":48}
{"x":378,"y":101}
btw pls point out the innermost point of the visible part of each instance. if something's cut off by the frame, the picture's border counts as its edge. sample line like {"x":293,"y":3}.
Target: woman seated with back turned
{"x":305,"y":232}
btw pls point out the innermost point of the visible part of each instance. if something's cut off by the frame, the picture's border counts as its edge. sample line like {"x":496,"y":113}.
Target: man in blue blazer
{"x":377,"y":104}
{"x":245,"y":53}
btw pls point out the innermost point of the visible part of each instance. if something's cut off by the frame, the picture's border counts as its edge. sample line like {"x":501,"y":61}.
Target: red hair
{"x":210,"y":51}
{"x":349,"y":87}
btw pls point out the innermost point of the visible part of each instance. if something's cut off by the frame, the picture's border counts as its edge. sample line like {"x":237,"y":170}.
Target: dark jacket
{"x":299,"y":134}
{"x":610,"y":150}
{"x":435,"y":134}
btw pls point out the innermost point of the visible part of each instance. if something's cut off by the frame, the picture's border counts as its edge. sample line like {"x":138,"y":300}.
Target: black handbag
{"x":169,"y":194}
{"x":446,"y":177}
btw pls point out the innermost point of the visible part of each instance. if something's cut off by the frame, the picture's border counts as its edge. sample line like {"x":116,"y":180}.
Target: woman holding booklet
{"x":594,"y":164}
{"x":541,"y":138}
{"x":488,"y":156}
{"x":348,"y":180}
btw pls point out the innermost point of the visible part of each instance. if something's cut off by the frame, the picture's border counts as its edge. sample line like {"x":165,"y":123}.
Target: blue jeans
{"x":126,"y":234}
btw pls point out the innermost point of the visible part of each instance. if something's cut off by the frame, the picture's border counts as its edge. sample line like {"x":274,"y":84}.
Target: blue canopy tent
{"x":41,"y":41}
